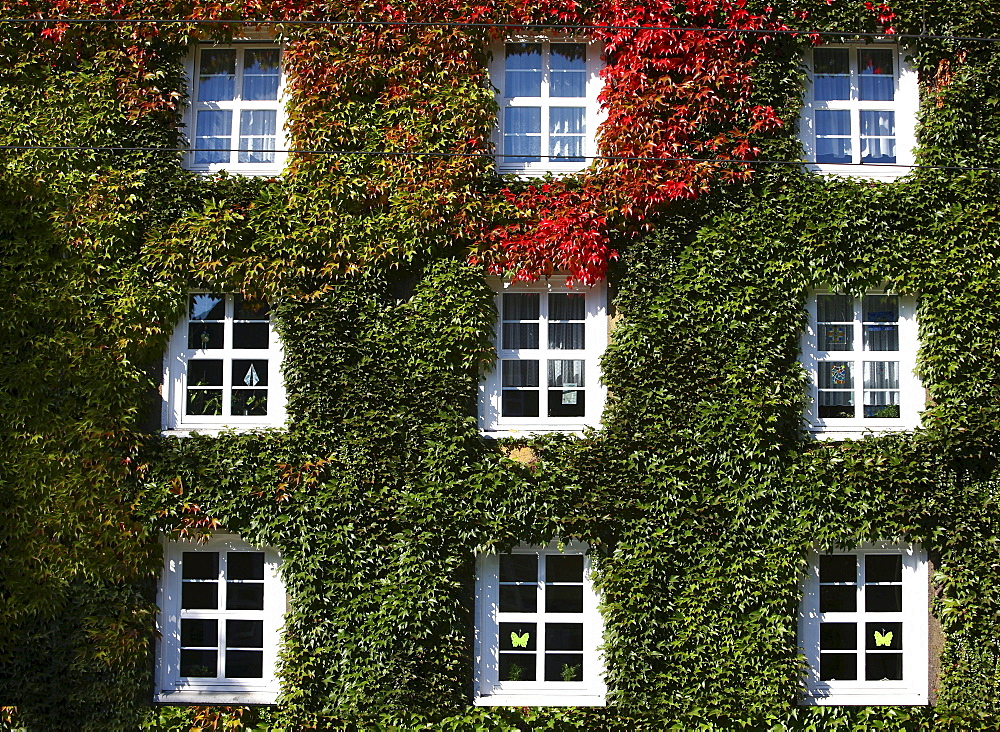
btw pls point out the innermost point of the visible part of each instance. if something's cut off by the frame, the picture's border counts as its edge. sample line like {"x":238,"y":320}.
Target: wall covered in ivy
{"x":701,"y":495}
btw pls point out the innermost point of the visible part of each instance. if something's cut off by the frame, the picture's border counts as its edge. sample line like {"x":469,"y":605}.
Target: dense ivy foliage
{"x":700,"y":496}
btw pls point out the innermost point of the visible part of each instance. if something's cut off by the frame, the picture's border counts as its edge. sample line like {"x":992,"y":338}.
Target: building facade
{"x":561,"y":367}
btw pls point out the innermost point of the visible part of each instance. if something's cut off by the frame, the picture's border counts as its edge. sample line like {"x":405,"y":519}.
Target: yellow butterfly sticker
{"x":521,"y":641}
{"x":883,"y":639}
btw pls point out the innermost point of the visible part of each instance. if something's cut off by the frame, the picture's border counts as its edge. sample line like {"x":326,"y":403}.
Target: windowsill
{"x":541,"y":700}
{"x":270,"y":172}
{"x":875,"y":697}
{"x":851,"y":432}
{"x":885,"y":172}
{"x":216,"y":697}
{"x":540,"y":172}
{"x":215,"y":430}
{"x":532,"y":432}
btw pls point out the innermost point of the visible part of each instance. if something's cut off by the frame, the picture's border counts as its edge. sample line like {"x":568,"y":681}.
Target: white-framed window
{"x":236,"y":119}
{"x":861,"y":354}
{"x":860,"y":111}
{"x":221,"y":606}
{"x":863,"y":626}
{"x":549,"y":341}
{"x":223,"y":366}
{"x":538,"y":629}
{"x":549,"y":111}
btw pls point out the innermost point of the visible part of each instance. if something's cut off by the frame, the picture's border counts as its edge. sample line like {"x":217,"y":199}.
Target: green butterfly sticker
{"x":521,"y":641}
{"x":883,"y":639}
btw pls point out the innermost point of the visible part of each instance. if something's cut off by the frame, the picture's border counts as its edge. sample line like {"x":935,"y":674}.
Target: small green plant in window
{"x":570,"y":673}
{"x":514,"y":672}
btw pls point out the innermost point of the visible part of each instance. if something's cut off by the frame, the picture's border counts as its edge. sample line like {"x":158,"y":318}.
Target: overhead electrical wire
{"x":491,"y":156}
{"x":505,"y":26}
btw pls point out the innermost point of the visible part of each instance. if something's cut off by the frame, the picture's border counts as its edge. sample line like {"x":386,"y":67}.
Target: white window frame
{"x":905,"y":105}
{"x":191,"y":67}
{"x":594,"y":113}
{"x":173,"y":688}
{"x":491,"y":420}
{"x":911,"y":392}
{"x":489,"y":691}
{"x":175,"y":371}
{"x":913,"y":688}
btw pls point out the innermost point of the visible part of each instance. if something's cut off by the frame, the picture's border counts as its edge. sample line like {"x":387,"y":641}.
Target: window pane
{"x":884,"y":635}
{"x":564,"y":598}
{"x":522,"y":134}
{"x":523,"y":76}
{"x":826,"y":88}
{"x":244,"y":596}
{"x":836,"y":404}
{"x":523,"y":120}
{"x":567,"y":126}
{"x":838,"y":598}
{"x":567,"y":336}
{"x":566,"y":373}
{"x":248,"y":403}
{"x":833,"y":122}
{"x":564,"y":636}
{"x":836,"y":338}
{"x":883,"y":568}
{"x":834,"y":308}
{"x":883,"y":666}
{"x":207,"y":307}
{"x":875,"y":66}
{"x":884,"y":598}
{"x":566,"y":403}
{"x":834,"y":666}
{"x":251,"y":335}
{"x":833,"y":150}
{"x":838,"y":636}
{"x":244,"y":309}
{"x":200,"y":565}
{"x":838,"y":568}
{"x":517,"y":667}
{"x":831,"y":61}
{"x":204,"y":372}
{"x":564,"y":667}
{"x":199,"y":633}
{"x":217,"y":76}
{"x":521,"y":306}
{"x":519,"y":403}
{"x":836,"y":374}
{"x":519,"y":373}
{"x":881,"y":337}
{"x":515,"y":336}
{"x":213,"y":136}
{"x":518,"y":568}
{"x":518,"y":598}
{"x":245,"y":565}
{"x":257,"y":135}
{"x":260,"y":74}
{"x":244,"y":664}
{"x":199,"y":664}
{"x":568,"y":70}
{"x":250,"y":373}
{"x":203,"y":336}
{"x":517,"y":636}
{"x":244,"y":633}
{"x":564,"y":568}
{"x":877,"y":123}
{"x":204,"y":402}
{"x":199,"y":595}
{"x":881,"y":374}
{"x":567,"y":306}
